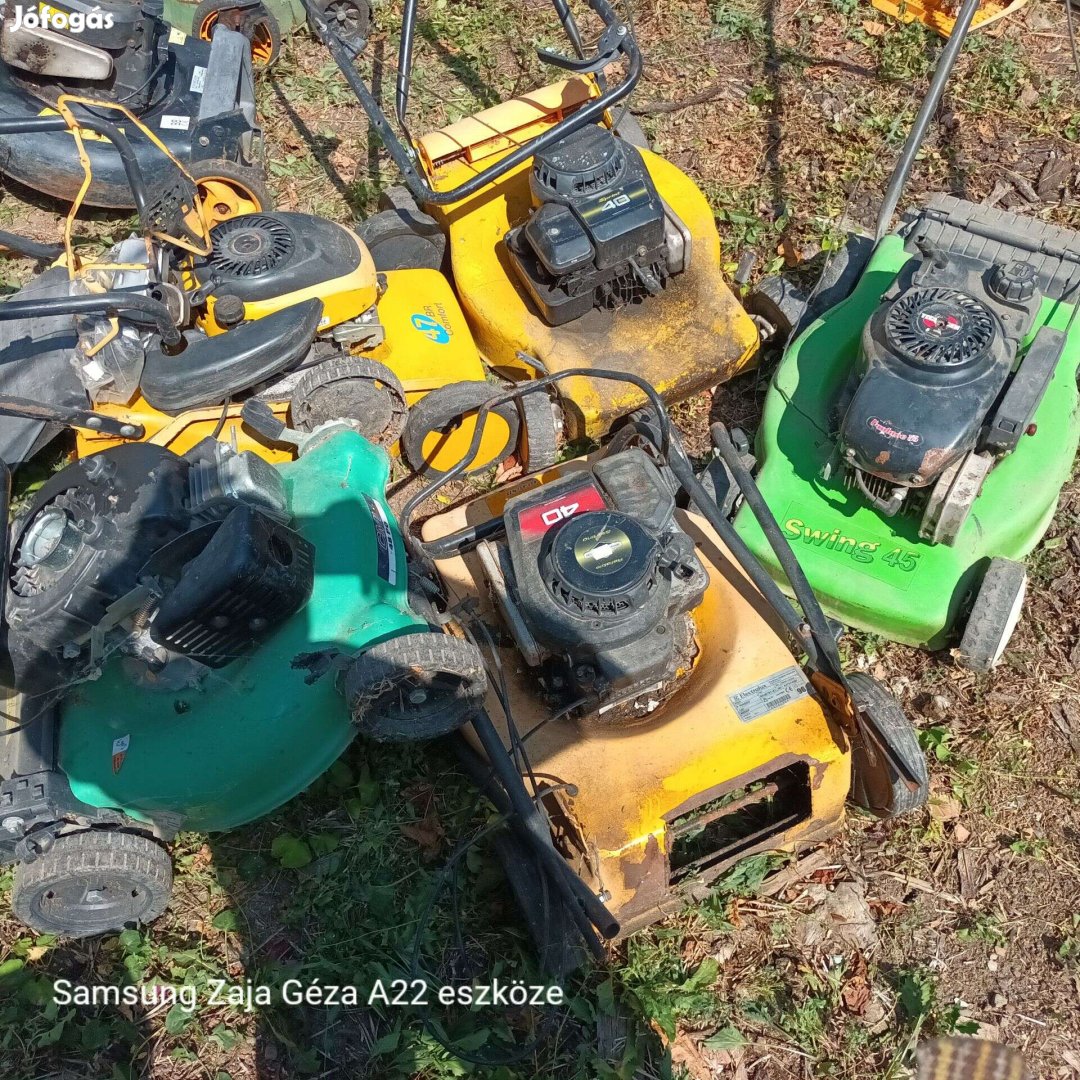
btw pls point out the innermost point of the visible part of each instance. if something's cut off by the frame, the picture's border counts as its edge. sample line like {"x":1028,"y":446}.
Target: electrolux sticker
{"x":769,"y":694}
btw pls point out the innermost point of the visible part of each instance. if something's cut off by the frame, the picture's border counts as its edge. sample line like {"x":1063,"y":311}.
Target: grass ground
{"x":965,"y":918}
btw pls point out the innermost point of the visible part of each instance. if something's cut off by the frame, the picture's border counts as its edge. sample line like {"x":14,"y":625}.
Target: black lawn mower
{"x":195,"y":98}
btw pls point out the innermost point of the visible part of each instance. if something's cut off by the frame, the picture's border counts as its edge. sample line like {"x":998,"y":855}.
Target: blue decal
{"x":431,"y":328}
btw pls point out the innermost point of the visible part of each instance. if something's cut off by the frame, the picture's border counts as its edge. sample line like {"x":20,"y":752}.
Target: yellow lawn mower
{"x":648,"y":706}
{"x":570,"y":243}
{"x":284,"y":306}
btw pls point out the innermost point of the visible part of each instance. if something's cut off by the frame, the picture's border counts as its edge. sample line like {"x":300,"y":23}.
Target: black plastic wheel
{"x":417,"y":686}
{"x":994,"y":615}
{"x":842,"y":273}
{"x":350,"y":20}
{"x":351,"y":388}
{"x":93,"y":882}
{"x":439,"y":419}
{"x":541,"y":442}
{"x":878,"y":787}
{"x":779,"y":302}
{"x":629,"y":129}
{"x":403,"y":238}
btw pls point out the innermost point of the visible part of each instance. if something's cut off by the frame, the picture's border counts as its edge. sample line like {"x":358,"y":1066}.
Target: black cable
{"x":23,"y":245}
{"x":448,"y":874}
{"x":222,"y":418}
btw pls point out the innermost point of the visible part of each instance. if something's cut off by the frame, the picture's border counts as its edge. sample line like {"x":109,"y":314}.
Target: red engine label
{"x":536,"y":520}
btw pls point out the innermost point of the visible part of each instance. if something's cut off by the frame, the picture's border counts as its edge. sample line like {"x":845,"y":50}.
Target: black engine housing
{"x":154,"y":554}
{"x":935,"y":357}
{"x":600,"y":581}
{"x":136,"y":37}
{"x":263,"y":256}
{"x":597,"y":236}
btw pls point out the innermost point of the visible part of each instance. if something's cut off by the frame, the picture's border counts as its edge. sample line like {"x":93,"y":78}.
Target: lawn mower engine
{"x":179,"y":563}
{"x":597,"y":583}
{"x":260,"y":263}
{"x":925,"y":417}
{"x":599,"y":234}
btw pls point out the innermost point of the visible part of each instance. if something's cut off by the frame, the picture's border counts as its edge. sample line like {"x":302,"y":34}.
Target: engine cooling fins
{"x":250,"y":245}
{"x":939,"y":327}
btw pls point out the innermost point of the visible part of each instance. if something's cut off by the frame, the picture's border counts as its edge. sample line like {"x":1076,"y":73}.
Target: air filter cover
{"x":585,"y":162}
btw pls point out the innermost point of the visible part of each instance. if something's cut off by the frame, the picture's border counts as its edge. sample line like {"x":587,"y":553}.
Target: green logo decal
{"x":859,"y":550}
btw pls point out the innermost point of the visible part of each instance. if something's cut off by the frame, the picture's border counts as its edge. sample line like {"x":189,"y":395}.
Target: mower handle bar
{"x":132,"y":170}
{"x":31,"y":249}
{"x":811,"y":632}
{"x":404,"y":158}
{"x":134,"y":306}
{"x":946,"y":63}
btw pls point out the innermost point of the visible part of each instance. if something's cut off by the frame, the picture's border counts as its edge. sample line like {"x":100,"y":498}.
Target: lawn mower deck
{"x":742,"y":759}
{"x":192,"y":676}
{"x":684,"y":340}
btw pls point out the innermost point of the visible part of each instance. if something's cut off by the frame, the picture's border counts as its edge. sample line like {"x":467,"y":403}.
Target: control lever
{"x":258,"y":416}
{"x":609,"y":46}
{"x":79,"y":418}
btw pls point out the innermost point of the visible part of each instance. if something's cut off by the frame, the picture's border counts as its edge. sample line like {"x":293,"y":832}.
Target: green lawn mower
{"x":916,"y":435}
{"x":178,"y":633}
{"x":193,"y":98}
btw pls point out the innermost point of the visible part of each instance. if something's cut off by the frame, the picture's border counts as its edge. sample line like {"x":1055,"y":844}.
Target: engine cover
{"x":599,"y":584}
{"x":264,"y":256}
{"x":935,"y":357}
{"x":116,"y":47}
{"x":599,"y":234}
{"x":118,"y":540}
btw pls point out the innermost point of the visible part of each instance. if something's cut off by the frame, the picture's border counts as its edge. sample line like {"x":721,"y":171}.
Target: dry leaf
{"x":427,"y":833}
{"x":945,"y":808}
{"x":874,"y":28}
{"x":855,"y":993}
{"x":685,"y":1052}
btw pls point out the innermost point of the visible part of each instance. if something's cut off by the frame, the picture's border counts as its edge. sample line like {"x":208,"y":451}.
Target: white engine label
{"x":769,"y":694}
{"x":176,"y":123}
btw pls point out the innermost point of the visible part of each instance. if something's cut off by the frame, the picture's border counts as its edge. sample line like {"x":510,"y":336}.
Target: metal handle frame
{"x":405,"y":158}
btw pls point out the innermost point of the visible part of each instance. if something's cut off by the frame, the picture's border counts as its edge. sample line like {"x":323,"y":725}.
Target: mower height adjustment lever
{"x":609,"y":46}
